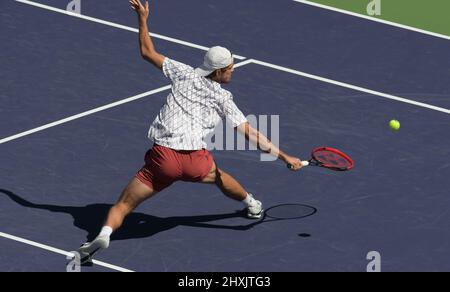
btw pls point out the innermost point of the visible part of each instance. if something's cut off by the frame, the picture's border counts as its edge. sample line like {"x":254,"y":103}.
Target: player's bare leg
{"x":226,"y":183}
{"x":134,"y":193}
{"x":233,"y":189}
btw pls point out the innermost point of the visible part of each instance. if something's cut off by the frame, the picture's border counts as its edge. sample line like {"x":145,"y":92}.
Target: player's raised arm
{"x":264,"y":144}
{"x":148,"y":51}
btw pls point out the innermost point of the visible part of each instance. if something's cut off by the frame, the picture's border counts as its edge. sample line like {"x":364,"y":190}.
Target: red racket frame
{"x":330,"y":166}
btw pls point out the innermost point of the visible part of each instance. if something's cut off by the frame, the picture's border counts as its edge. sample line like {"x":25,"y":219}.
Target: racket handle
{"x":304,"y":163}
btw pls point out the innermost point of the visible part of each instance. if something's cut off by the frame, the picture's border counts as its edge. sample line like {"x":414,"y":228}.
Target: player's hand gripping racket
{"x":330,"y":158}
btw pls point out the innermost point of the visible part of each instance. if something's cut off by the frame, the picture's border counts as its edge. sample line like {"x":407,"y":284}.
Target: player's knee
{"x":218,"y":173}
{"x":218,"y":176}
{"x":124,"y":207}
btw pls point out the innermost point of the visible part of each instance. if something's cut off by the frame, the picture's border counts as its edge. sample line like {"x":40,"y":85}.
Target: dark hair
{"x":210,"y":76}
{"x":214,"y":72}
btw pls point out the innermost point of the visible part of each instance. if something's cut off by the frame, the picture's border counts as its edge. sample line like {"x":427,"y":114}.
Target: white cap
{"x":215,"y":58}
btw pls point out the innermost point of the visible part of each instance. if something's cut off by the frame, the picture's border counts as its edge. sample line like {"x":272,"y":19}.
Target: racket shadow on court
{"x":138,"y":225}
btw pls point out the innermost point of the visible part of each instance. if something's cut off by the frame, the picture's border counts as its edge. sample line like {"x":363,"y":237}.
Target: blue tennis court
{"x":77,"y":100}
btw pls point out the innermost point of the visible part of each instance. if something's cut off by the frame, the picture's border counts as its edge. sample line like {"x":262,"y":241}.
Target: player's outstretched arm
{"x":265,"y":145}
{"x":148,"y":51}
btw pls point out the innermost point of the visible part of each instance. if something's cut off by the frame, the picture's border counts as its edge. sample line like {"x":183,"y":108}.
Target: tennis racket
{"x":330,"y":158}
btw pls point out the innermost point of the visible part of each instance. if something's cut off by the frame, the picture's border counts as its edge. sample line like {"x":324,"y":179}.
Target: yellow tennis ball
{"x":394,"y":125}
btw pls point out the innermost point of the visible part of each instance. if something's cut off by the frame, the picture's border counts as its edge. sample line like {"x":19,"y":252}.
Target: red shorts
{"x":164,"y":166}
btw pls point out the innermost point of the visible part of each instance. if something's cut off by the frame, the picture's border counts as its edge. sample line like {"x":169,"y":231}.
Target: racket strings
{"x":332,"y":158}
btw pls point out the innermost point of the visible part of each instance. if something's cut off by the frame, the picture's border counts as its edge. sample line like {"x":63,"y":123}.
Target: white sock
{"x":106,"y":231}
{"x":249,"y":201}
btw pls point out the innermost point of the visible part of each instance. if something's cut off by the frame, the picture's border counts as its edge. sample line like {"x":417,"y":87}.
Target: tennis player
{"x":192,"y":110}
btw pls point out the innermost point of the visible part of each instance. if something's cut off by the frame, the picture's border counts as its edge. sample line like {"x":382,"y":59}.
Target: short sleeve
{"x":228,"y":110}
{"x":175,"y":70}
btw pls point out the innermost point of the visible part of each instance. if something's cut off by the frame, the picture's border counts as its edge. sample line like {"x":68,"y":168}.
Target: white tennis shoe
{"x":89,"y":249}
{"x":255,"y":211}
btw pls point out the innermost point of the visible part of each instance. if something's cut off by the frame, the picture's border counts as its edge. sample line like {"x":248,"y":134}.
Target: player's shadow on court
{"x":137,"y":225}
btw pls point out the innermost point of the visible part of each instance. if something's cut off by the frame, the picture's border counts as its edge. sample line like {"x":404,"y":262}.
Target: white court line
{"x":438,"y":35}
{"x":243,"y":63}
{"x":120,"y":26}
{"x":346,"y":85}
{"x":60,"y":251}
{"x":86,"y":113}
